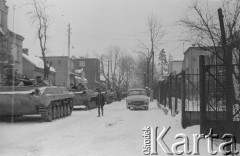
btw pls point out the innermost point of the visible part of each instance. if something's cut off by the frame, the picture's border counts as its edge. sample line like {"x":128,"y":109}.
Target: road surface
{"x":118,"y":132}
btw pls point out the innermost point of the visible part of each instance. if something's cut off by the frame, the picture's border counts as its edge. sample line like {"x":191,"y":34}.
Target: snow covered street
{"x":118,"y":132}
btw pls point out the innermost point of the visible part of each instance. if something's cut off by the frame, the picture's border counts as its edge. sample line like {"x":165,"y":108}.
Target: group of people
{"x":25,"y":81}
{"x":80,"y":87}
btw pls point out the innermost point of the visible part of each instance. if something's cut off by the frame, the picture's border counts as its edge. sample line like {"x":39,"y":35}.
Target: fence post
{"x":165,"y":93}
{"x":183,"y":88}
{"x":229,"y":92}
{"x":159,"y":91}
{"x":170,"y":93}
{"x":202,"y":92}
{"x":176,"y":93}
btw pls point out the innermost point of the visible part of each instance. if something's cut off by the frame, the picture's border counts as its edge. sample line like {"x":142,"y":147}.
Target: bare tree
{"x":140,"y":70}
{"x":104,"y":68}
{"x":109,"y":64}
{"x":202,"y":25}
{"x":113,"y":53}
{"x":116,"y":67}
{"x":155,"y":33}
{"x":40,"y":18}
{"x":203,"y":30}
{"x":125,"y":71}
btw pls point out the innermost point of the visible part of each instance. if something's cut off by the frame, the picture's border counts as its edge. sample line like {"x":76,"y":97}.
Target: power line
{"x":176,"y":48}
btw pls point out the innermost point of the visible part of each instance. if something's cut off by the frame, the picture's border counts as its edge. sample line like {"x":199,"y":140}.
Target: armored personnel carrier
{"x":52,"y":102}
{"x":88,"y":98}
{"x":85,"y":97}
{"x":21,"y":96}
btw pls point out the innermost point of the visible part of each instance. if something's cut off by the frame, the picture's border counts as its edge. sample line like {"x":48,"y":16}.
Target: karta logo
{"x":152,"y":140}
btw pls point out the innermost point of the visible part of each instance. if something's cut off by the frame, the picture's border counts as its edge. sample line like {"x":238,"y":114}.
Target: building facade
{"x":91,"y":67}
{"x":191,"y":59}
{"x":33,"y":67}
{"x":16,"y":50}
{"x":3,"y":16}
{"x":175,"y":67}
{"x":64,"y":73}
{"x":10,"y":46}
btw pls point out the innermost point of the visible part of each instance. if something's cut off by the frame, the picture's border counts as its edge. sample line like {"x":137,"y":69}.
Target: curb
{"x":165,"y":110}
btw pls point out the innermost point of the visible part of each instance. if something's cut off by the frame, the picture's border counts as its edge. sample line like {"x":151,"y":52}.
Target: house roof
{"x":102,"y":78}
{"x":78,"y":71}
{"x":86,"y":59}
{"x":176,"y":61}
{"x":60,"y":57}
{"x":190,"y":48}
{"x":36,"y":61}
{"x":15,"y":35}
{"x":199,"y":48}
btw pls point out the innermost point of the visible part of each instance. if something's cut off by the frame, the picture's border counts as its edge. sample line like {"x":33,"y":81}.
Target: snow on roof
{"x":38,"y":62}
{"x":102,"y":78}
{"x":78,"y":71}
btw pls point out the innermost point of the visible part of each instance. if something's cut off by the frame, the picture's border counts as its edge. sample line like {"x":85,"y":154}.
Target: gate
{"x":220,"y":95}
{"x":180,"y":93}
{"x":190,"y":98}
{"x":213,"y":99}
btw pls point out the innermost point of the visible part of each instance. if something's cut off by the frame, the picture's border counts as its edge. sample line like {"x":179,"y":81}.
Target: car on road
{"x":137,"y":98}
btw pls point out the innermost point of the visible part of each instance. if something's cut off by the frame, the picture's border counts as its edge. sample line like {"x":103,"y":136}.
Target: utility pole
{"x":13,"y":73}
{"x":14,"y":8}
{"x":228,"y":75}
{"x":68,"y":57}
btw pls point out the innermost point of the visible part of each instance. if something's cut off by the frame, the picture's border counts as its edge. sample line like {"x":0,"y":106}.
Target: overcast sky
{"x":98,"y":24}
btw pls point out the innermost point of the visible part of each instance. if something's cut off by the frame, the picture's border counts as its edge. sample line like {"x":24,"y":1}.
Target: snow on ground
{"x":118,"y":132}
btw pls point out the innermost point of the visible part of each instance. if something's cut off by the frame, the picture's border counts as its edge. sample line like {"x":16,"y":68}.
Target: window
{"x":81,"y":63}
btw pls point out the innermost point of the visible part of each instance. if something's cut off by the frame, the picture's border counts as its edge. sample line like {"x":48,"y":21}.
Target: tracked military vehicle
{"x":21,"y":96}
{"x":88,"y":97}
{"x":85,"y":98}
{"x":52,"y":102}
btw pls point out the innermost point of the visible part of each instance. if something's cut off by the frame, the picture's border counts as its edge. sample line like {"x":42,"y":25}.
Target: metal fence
{"x":220,"y":102}
{"x":209,"y":97}
{"x":180,"y":93}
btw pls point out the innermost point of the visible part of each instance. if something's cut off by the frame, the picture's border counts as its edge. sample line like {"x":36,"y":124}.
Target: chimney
{"x":25,"y":51}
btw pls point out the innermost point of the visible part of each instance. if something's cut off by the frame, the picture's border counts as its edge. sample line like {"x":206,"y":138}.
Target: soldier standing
{"x":100,"y":101}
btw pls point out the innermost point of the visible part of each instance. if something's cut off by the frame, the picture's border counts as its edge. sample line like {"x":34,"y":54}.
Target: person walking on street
{"x":100,"y":101}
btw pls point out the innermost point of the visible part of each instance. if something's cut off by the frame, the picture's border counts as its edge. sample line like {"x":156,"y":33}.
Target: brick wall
{"x":91,"y":67}
{"x":31,"y":71}
{"x":60,"y":65}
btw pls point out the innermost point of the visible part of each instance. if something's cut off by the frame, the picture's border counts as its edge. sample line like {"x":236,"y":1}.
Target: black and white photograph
{"x":119,"y":77}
